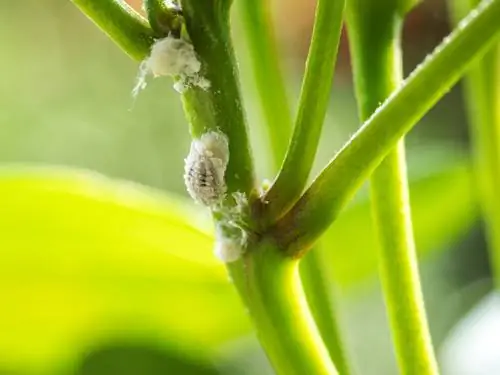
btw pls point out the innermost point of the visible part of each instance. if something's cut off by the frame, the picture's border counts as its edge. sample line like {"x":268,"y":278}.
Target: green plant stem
{"x":267,"y":281}
{"x":482,"y":92}
{"x":271,"y":87}
{"x":337,"y":183}
{"x":399,"y":267}
{"x":374,"y":35}
{"x":269,"y":78}
{"x":313,"y":103}
{"x":220,"y":107}
{"x":271,"y":287}
{"x":121,"y":23}
{"x":321,"y":301}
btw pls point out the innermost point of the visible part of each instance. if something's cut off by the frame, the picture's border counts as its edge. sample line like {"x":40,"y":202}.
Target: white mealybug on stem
{"x":227,"y":250}
{"x":174,"y":57}
{"x":205,"y":167}
{"x":204,"y":176}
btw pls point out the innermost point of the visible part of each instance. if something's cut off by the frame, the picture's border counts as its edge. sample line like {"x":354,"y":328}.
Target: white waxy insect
{"x":228,"y":250}
{"x":174,"y":57}
{"x":205,"y":167}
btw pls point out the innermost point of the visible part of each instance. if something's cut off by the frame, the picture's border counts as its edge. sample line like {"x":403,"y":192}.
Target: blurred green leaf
{"x":83,"y":259}
{"x":443,"y":207}
{"x":140,"y":359}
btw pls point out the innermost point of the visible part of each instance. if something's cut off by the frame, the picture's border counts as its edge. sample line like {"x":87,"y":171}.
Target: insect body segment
{"x":205,"y":167}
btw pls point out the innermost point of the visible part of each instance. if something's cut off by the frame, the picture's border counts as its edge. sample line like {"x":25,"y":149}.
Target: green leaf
{"x":443,"y":207}
{"x":84,"y":258}
{"x":140,"y":358}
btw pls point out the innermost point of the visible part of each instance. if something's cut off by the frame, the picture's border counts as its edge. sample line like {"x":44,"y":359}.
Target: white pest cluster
{"x":173,"y":57}
{"x":204,"y":176}
{"x":205,"y":167}
{"x":227,"y":249}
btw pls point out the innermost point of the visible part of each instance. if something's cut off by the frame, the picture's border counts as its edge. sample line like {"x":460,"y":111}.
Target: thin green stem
{"x":121,"y":23}
{"x":399,"y":267}
{"x":268,"y":75}
{"x":482,"y":92}
{"x":273,"y":293}
{"x":340,"y":179}
{"x":374,"y":36}
{"x":318,"y":288}
{"x":264,"y":55}
{"x":219,"y":108}
{"x":313,"y":104}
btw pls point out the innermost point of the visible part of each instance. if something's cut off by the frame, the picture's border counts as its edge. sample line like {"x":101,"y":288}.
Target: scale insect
{"x":205,"y":168}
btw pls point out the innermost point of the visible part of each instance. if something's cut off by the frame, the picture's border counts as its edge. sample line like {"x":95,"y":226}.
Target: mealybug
{"x":205,"y":167}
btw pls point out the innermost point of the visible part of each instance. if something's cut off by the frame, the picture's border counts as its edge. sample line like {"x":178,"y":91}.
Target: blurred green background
{"x":103,"y":276}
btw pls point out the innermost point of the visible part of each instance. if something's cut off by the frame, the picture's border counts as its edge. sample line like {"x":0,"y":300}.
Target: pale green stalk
{"x":482,"y":93}
{"x":276,"y":302}
{"x":313,"y":103}
{"x":374,"y":35}
{"x":258,"y":28}
{"x":121,"y":23}
{"x":272,"y":93}
{"x":337,"y":183}
{"x":319,"y":289}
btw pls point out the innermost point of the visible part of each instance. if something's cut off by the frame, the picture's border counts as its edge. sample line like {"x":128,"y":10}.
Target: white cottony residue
{"x":173,"y":57}
{"x":241,"y":202}
{"x":227,"y":250}
{"x":231,"y":236}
